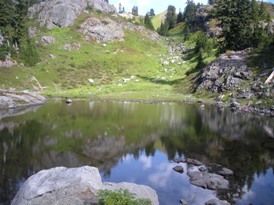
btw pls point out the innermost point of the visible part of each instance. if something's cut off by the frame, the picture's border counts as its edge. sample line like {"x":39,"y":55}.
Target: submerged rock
{"x":179,"y":169}
{"x":72,"y":186}
{"x":208,"y":180}
{"x":216,"y":202}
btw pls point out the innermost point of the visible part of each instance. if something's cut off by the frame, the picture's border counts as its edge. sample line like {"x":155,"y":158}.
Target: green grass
{"x":157,"y":19}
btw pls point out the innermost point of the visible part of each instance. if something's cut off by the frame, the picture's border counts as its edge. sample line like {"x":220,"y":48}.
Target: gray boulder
{"x":102,"y":6}
{"x":14,"y":99}
{"x":103,"y":31}
{"x":63,"y":13}
{"x":72,"y":186}
{"x":45,"y":40}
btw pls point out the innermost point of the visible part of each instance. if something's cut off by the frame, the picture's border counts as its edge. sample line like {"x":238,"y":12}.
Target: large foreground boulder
{"x":72,"y":186}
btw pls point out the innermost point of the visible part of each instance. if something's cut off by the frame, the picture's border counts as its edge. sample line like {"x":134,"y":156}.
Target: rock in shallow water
{"x":72,"y":186}
{"x":208,"y":180}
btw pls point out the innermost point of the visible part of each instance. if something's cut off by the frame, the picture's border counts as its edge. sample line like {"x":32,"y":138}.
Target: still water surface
{"x":137,"y":142}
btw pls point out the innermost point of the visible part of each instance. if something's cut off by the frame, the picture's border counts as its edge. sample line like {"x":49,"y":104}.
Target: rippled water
{"x":137,"y":142}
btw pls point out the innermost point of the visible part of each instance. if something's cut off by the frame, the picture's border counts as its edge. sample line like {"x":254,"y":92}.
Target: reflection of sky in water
{"x":261,"y":192}
{"x":157,"y":173}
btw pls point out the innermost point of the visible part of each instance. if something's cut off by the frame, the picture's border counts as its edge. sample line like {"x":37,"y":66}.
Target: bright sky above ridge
{"x":158,"y":5}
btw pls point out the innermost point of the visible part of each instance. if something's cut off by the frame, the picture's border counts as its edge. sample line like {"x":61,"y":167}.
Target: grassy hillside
{"x":157,"y":19}
{"x":128,"y":69}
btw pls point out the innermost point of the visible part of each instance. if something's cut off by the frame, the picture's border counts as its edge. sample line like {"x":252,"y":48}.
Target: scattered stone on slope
{"x":45,"y":40}
{"x":8,"y":63}
{"x":102,"y":30}
{"x":72,"y":186}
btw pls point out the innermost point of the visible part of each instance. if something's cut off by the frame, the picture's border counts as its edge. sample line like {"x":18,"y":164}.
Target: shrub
{"x":121,"y":197}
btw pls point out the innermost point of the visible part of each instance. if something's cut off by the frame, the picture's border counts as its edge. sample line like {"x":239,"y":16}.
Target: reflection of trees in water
{"x":16,"y":157}
{"x":230,"y":139}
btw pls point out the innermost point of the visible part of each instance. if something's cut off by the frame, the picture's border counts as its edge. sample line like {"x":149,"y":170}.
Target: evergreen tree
{"x":148,"y":23}
{"x":120,"y":8}
{"x":170,"y":20}
{"x":135,"y":10}
{"x":151,"y":12}
{"x":163,"y":30}
{"x":180,"y":17}
{"x":189,"y":15}
{"x":235,"y":17}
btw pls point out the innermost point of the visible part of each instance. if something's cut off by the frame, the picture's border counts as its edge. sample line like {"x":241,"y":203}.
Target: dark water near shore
{"x":137,"y":142}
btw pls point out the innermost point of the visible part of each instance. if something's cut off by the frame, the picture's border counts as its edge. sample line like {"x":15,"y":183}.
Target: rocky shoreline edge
{"x":234,"y":106}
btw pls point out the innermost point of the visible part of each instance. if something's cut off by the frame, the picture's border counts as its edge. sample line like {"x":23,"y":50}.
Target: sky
{"x":158,"y":5}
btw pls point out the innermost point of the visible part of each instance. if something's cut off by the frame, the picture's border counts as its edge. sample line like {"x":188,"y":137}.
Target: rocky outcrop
{"x":72,"y":186}
{"x":63,"y":13}
{"x":225,"y":73}
{"x":104,"y":30}
{"x":14,"y":99}
{"x":101,"y":6}
{"x":231,"y":73}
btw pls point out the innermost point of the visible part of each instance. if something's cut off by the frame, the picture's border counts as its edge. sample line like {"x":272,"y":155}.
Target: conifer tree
{"x":148,"y":23}
{"x":170,"y":19}
{"x":235,"y":17}
{"x":180,"y":17}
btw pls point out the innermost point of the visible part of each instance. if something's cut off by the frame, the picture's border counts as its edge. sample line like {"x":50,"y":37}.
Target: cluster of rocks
{"x":210,"y":176}
{"x":8,"y":63}
{"x":14,"y":99}
{"x":63,"y":13}
{"x":72,"y":186}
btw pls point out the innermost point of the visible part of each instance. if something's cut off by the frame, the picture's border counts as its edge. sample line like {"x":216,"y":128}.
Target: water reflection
{"x":137,"y":142}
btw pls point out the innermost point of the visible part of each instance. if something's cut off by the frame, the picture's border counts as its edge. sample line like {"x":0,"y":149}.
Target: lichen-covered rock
{"x":72,"y":186}
{"x":102,"y":30}
{"x":63,"y":13}
{"x":102,"y":6}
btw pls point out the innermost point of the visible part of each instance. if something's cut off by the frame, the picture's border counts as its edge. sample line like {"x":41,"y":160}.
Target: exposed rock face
{"x":102,"y":30}
{"x":13,"y":99}
{"x":102,"y":6}
{"x":72,"y":186}
{"x":62,"y":13}
{"x":226,"y":73}
{"x":231,"y":73}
